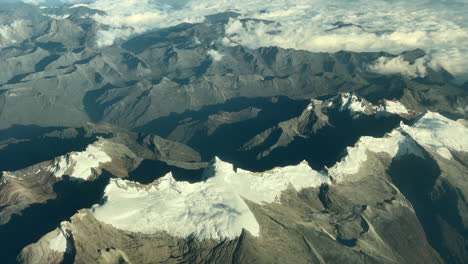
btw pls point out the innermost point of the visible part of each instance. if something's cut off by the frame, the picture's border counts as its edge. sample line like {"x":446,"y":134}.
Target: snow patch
{"x":356,"y":105}
{"x":395,"y":107}
{"x":60,"y":242}
{"x":215,"y":55}
{"x":213,"y":209}
{"x":7,"y":174}
{"x":432,"y":131}
{"x":352,"y":103}
{"x":80,"y":165}
{"x":439,"y":134}
{"x":394,"y":144}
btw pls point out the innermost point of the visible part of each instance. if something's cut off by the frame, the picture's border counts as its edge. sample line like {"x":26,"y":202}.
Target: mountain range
{"x":174,"y":145}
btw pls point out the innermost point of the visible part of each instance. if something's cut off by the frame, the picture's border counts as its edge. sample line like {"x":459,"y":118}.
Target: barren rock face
{"x":373,"y":205}
{"x":208,"y":131}
{"x":382,"y":200}
{"x":313,"y":119}
{"x":313,"y":223}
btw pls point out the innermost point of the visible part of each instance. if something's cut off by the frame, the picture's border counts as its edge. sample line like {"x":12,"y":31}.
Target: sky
{"x":437,"y":26}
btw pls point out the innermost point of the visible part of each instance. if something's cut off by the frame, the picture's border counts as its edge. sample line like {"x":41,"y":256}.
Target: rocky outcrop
{"x":190,"y":129}
{"x":312,"y":120}
{"x":55,"y":247}
{"x":64,"y":79}
{"x":343,"y":112}
{"x":396,"y":198}
{"x":104,"y":149}
{"x":18,"y":193}
{"x":34,"y":184}
{"x":314,"y":223}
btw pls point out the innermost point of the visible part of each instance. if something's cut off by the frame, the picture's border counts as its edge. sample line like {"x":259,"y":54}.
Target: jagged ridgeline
{"x":184,"y":144}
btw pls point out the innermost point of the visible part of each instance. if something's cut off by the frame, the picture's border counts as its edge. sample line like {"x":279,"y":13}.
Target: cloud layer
{"x":438,"y":27}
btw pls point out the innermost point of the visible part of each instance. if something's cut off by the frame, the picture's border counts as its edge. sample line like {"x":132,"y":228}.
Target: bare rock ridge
{"x":322,"y":115}
{"x":314,"y":212}
{"x":66,"y":80}
{"x":184,"y":144}
{"x":119,"y":155}
{"x":44,"y":194}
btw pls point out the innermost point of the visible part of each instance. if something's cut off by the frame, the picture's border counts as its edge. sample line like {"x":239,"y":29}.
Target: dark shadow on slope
{"x":95,"y":110}
{"x":52,"y":46}
{"x":151,"y":170}
{"x":42,"y":64}
{"x":132,"y":61}
{"x":436,"y":207}
{"x":25,"y":132}
{"x":18,"y":78}
{"x":70,"y":254}
{"x":274,"y":110}
{"x":31,"y":149}
{"x":347,"y":242}
{"x":141,"y":43}
{"x":383,"y":87}
{"x":227,"y":139}
{"x":40,"y":219}
{"x":322,"y":149}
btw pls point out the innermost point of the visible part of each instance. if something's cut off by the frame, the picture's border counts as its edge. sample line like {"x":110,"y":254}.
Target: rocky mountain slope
{"x":66,"y":80}
{"x":180,"y":144}
{"x":364,"y":207}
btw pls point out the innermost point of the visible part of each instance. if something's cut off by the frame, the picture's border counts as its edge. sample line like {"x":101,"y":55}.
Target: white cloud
{"x":454,"y":60}
{"x":127,"y":18}
{"x":376,"y":30}
{"x":108,"y":37}
{"x":399,"y":65}
{"x":215,"y":55}
{"x":439,"y":27}
{"x":13,"y":33}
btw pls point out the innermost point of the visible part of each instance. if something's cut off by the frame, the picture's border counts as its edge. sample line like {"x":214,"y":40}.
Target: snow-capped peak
{"x":393,"y":144}
{"x":354,"y":104}
{"x":81,"y":165}
{"x":212,"y":209}
{"x":432,"y":131}
{"x":438,"y":133}
{"x":395,"y":107}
